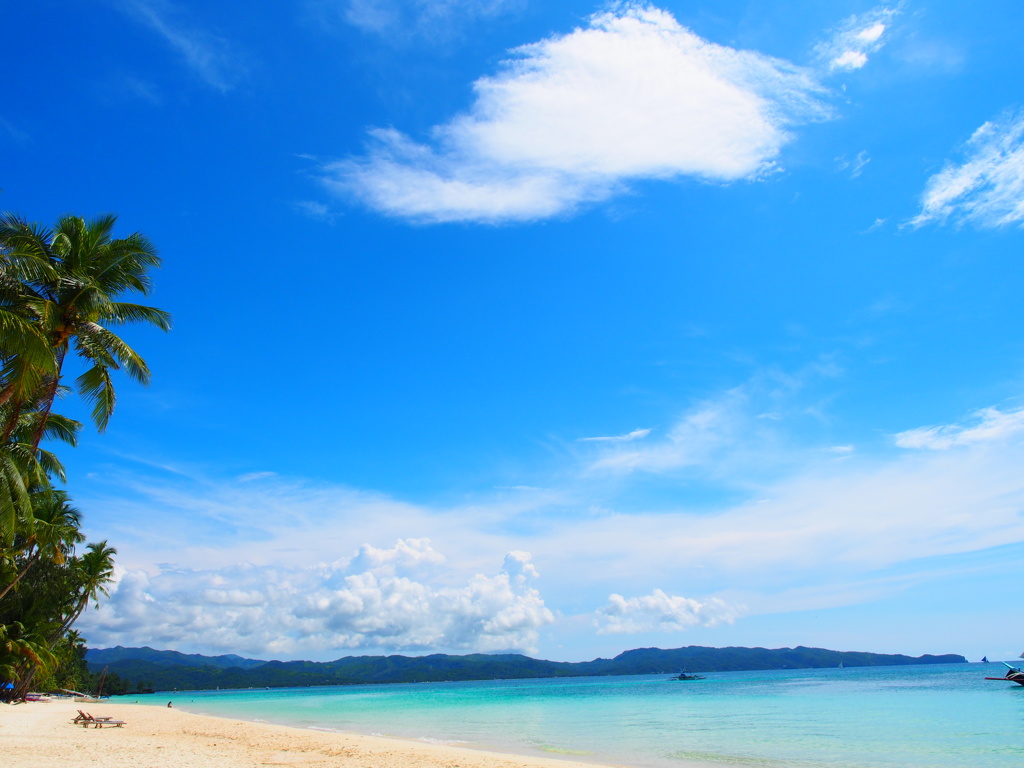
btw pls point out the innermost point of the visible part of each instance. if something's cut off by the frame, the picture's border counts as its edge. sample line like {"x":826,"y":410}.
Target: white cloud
{"x":636,"y":434}
{"x":573,"y":118}
{"x":987,"y":188}
{"x":691,"y":441}
{"x":342,"y":606}
{"x":661,"y":612}
{"x":988,"y":425}
{"x":850,"y":60}
{"x":855,"y":166}
{"x":315,"y":210}
{"x":777,"y":511}
{"x":215,"y":60}
{"x":433,"y":18}
{"x":737,"y":433}
{"x":252,"y":476}
{"x":406,"y":555}
{"x":849,"y":46}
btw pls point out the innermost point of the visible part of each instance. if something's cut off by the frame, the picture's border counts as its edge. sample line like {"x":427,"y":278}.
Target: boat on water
{"x":1013,"y":675}
{"x":685,"y":676}
{"x":81,"y":698}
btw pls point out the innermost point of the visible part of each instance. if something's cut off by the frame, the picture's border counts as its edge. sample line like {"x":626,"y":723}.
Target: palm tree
{"x":90,"y":575}
{"x":61,"y":292}
{"x":18,"y":649}
{"x":94,"y":571}
{"x":25,"y":352}
{"x":54,"y":533}
{"x":73,"y":300}
{"x":25,"y":491}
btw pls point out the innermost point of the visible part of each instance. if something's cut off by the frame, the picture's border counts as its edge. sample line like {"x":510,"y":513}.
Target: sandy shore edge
{"x":41,"y":734}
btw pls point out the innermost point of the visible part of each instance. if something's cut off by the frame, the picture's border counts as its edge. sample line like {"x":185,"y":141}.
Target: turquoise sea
{"x":880,"y":717}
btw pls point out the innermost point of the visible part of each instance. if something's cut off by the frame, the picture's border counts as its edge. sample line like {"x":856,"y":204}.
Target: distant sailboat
{"x":984,"y":659}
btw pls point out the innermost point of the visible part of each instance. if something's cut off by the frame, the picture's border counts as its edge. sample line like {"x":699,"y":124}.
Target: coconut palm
{"x":74,"y":300}
{"x":61,"y":292}
{"x":20,"y":649}
{"x":26,"y":355}
{"x":25,"y":476}
{"x":93,"y":572}
{"x":54,"y":533}
{"x":88,"y":577}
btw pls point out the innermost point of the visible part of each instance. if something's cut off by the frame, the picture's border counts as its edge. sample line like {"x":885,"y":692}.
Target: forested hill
{"x":103,"y":656}
{"x":145,"y":668}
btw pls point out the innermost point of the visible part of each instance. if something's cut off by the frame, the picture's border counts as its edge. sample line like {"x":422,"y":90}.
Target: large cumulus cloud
{"x":380,"y":599}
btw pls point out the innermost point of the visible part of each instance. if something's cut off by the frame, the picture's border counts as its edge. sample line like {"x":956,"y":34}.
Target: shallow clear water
{"x":883,"y":717}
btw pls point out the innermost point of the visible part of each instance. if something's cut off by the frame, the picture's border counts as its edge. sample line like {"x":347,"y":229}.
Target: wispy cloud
{"x":217,"y":61}
{"x":855,"y":166}
{"x":987,"y":425}
{"x":689,"y":442}
{"x":661,"y":612}
{"x":849,"y":45}
{"x":316,"y":210}
{"x":573,"y":118}
{"x":987,"y":187}
{"x":739,"y":432}
{"x":401,"y":18}
{"x":252,"y":476}
{"x":636,"y":434}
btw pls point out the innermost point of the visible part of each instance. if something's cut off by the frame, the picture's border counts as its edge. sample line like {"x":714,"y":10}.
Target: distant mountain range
{"x":171,"y":670}
{"x":103,"y":656}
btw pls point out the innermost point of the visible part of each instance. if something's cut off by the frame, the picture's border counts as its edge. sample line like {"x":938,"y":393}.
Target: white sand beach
{"x":42,"y":734}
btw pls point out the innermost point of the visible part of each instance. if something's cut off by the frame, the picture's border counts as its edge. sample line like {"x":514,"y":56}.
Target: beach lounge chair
{"x":85,"y":719}
{"x":103,"y":722}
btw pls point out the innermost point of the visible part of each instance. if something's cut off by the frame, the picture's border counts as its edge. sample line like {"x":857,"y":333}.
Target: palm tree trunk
{"x":64,"y":627}
{"x":24,"y":683}
{"x":12,"y":420}
{"x":48,"y":398}
{"x":31,"y":561}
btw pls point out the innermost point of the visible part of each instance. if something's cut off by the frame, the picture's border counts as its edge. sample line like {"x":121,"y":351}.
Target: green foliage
{"x":70,"y":671}
{"x":60,"y":292}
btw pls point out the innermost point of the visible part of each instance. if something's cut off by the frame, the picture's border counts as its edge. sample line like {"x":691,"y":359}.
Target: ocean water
{"x":933,"y":716}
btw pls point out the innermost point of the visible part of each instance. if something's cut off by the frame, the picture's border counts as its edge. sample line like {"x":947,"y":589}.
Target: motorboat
{"x":685,"y":676}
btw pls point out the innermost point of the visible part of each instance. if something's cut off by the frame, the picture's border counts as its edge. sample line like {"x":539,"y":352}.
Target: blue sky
{"x":559,"y":327}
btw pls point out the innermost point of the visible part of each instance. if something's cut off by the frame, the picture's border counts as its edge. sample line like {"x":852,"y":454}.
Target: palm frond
{"x":62,"y":428}
{"x":50,"y":464}
{"x":122,"y":313}
{"x":96,"y":388}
